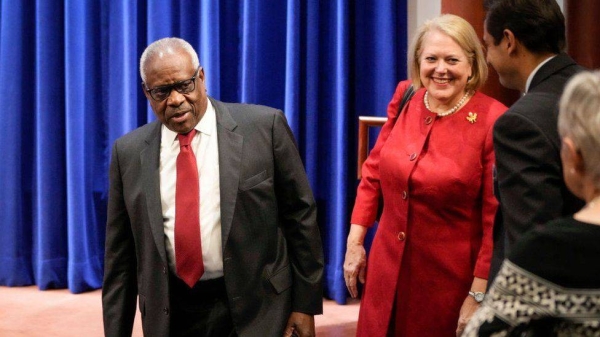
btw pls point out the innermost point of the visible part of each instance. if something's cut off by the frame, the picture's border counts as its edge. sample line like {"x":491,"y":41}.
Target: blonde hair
{"x":463,"y":34}
{"x":579,"y":119}
{"x":167,"y":45}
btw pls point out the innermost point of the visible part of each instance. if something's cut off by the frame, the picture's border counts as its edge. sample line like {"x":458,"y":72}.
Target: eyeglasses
{"x":161,"y":93}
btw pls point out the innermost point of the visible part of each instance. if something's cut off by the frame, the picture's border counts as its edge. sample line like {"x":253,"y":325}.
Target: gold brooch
{"x":472,"y":117}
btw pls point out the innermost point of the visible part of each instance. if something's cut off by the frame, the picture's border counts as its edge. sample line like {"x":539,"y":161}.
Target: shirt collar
{"x":206,"y":125}
{"x":530,"y":78}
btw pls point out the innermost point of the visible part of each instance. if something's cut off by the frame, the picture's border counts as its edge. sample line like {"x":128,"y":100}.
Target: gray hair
{"x":166,"y":45}
{"x":579,"y":119}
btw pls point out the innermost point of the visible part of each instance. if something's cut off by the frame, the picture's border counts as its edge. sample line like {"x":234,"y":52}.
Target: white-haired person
{"x":550,"y":283}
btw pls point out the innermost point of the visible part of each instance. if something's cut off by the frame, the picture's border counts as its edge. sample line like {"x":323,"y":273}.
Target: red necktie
{"x":188,"y":248}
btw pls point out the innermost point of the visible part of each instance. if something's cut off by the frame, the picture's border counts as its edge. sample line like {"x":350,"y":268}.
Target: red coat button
{"x":401,"y":236}
{"x":404,"y":195}
{"x":428,"y":120}
{"x":413,"y":156}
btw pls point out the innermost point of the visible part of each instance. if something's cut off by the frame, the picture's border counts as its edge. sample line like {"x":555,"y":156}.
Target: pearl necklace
{"x":449,"y":112}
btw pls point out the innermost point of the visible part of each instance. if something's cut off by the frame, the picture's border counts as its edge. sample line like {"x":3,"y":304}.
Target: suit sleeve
{"x":298,"y":214}
{"x":119,"y":291}
{"x":369,"y":188}
{"x":529,"y":175}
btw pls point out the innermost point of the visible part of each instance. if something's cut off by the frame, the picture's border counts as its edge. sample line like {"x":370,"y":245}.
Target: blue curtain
{"x":69,"y":78}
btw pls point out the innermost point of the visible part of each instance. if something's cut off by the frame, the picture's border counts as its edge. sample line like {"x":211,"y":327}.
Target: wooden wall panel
{"x":583,"y":31}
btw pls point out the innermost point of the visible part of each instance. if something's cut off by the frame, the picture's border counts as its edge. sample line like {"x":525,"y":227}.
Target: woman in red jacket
{"x":433,"y":164}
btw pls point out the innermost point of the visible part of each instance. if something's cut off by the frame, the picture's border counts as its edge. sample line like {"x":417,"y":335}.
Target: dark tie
{"x":188,"y":248}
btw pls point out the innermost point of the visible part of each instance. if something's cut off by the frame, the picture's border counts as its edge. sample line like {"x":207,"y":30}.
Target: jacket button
{"x":428,"y":120}
{"x":401,"y":236}
{"x":404,"y":195}
{"x":413,"y":156}
{"x":166,"y":311}
{"x":164,"y":269}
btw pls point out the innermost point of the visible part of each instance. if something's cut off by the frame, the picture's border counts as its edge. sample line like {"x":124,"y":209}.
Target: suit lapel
{"x":150,"y":163}
{"x":230,"y":158}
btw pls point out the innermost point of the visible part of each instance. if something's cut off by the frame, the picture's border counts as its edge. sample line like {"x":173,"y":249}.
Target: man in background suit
{"x":524,"y":41}
{"x":259,"y":265}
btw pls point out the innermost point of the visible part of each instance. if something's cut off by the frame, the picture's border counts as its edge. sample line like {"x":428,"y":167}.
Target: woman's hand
{"x":470,"y":305}
{"x":355,"y":263}
{"x":466,"y":312}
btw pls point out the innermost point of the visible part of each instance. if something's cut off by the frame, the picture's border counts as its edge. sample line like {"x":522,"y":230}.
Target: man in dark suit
{"x":524,"y":41}
{"x":249,"y":261}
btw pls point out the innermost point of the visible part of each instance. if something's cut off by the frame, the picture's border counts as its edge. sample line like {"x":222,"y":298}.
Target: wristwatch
{"x":478,"y":296}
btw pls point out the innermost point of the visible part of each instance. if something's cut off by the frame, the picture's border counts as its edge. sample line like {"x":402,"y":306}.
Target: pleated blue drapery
{"x":69,"y":80}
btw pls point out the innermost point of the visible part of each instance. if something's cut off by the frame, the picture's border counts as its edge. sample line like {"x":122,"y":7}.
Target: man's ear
{"x":511,"y":41}
{"x":201,"y":73}
{"x":146,"y":93}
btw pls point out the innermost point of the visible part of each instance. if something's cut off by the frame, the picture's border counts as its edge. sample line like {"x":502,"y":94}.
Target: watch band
{"x":478,"y":296}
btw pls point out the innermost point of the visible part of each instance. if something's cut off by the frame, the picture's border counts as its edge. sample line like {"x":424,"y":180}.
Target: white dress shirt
{"x":530,"y":78}
{"x":206,"y":150}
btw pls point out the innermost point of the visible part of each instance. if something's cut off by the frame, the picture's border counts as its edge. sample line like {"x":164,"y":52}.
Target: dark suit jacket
{"x":529,"y":178}
{"x":272,"y":253}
